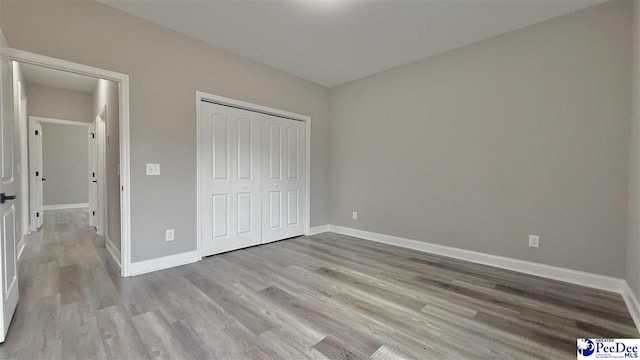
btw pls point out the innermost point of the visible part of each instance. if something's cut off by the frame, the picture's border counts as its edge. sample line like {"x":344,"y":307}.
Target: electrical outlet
{"x":534,"y":241}
{"x":355,"y":215}
{"x":169,"y":235}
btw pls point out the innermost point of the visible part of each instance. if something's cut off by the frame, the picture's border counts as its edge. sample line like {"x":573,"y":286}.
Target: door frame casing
{"x":101,"y":148}
{"x":43,"y":120}
{"x":125,"y":146}
{"x":203,"y":96}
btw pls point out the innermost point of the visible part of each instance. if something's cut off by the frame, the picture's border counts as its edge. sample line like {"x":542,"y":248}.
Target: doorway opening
{"x":72,"y":160}
{"x":58,"y":160}
{"x":73,"y":152}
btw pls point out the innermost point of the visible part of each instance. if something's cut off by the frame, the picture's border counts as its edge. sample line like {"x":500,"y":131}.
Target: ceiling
{"x":44,"y":76}
{"x":331,"y":42}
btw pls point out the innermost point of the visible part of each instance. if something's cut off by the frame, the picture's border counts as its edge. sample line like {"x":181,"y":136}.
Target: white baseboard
{"x":65,"y":206}
{"x":317,"y":230}
{"x":113,"y":250}
{"x":165,"y":262}
{"x":601,"y":282}
{"x":21,"y":246}
{"x":632,"y":303}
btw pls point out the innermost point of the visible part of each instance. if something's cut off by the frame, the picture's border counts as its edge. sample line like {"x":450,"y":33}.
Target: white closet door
{"x":230,"y":178}
{"x":273,"y":185}
{"x":283,"y":167}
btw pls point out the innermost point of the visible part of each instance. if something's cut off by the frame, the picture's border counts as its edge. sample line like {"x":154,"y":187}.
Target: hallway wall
{"x":106,"y":94}
{"x":58,"y":103}
{"x":64,"y":147}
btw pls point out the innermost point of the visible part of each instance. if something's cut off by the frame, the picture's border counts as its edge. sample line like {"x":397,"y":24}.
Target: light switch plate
{"x":153,"y":169}
{"x":534,"y":240}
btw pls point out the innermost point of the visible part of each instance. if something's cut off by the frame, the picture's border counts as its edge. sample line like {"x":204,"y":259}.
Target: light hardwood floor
{"x":327,"y":296}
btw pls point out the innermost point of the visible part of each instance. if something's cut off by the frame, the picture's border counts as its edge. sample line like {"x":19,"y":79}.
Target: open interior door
{"x":8,"y":188}
{"x":36,"y":179}
{"x":101,"y":166}
{"x":93,"y":176}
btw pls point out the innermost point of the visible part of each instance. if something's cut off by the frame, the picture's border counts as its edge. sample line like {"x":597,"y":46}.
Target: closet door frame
{"x":203,"y":96}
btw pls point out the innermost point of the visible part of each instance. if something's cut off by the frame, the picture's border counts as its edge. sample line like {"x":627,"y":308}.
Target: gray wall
{"x":58,"y":103}
{"x":106,"y":94}
{"x":525,"y":133}
{"x":166,"y":69}
{"x":3,"y":41}
{"x":633,"y":244}
{"x":65,"y":163}
{"x":64,"y":147}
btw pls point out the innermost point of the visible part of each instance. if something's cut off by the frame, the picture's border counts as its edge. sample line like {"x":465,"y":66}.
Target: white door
{"x":24,"y":166}
{"x":230,"y":178}
{"x":283,"y":186}
{"x":36,"y":177}
{"x":93,"y":175}
{"x":101,"y":171}
{"x":8,"y":187}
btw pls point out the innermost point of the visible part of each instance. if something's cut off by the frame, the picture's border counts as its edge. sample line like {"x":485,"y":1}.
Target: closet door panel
{"x":274,"y":149}
{"x":295,"y":181}
{"x":275,"y":210}
{"x":283,"y":156}
{"x":248,"y":181}
{"x":293,"y":207}
{"x":230,"y":179}
{"x":216,"y":185}
{"x":272,"y":183}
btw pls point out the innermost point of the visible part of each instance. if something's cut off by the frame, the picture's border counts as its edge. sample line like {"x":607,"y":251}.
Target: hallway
{"x":66,"y":275}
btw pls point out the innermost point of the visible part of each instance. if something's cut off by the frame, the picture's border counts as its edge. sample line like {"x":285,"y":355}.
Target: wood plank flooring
{"x":326,"y":296}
